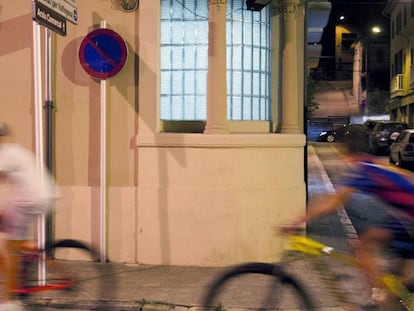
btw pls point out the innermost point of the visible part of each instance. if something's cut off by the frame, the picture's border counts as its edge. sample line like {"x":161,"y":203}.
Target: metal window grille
{"x":184,"y":60}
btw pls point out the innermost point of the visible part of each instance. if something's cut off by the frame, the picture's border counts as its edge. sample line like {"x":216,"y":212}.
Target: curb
{"x":119,"y":305}
{"x":349,"y":229}
{"x":114,"y":305}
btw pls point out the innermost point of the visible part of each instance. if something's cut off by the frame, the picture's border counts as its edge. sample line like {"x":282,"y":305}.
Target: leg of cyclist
{"x":391,"y":237}
{"x":16,"y":222}
{"x":13,"y":267}
{"x":403,"y":246}
{"x":372,"y":242}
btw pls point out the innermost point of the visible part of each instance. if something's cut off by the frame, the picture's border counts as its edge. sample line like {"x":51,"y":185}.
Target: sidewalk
{"x":142,"y":287}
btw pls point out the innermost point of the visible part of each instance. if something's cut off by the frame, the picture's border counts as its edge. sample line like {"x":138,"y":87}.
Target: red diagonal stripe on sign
{"x":102,"y":52}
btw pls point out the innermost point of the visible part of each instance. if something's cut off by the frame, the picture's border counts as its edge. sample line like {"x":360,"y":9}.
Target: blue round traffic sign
{"x":103,"y":53}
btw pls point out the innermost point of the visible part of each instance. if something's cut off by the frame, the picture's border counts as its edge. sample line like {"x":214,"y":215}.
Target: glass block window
{"x":184,"y":60}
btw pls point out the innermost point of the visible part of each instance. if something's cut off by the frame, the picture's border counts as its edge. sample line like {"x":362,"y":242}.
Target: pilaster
{"x":216,"y":122}
{"x":291,"y":81}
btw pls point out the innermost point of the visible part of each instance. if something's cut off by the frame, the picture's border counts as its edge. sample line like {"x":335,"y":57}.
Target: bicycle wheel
{"x":259,"y":286}
{"x":74,"y":279}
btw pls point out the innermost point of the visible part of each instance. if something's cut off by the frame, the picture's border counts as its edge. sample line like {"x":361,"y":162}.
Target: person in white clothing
{"x":30,"y":193}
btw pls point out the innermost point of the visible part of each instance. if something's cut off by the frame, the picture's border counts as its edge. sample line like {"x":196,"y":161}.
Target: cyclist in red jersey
{"x":394,"y":187}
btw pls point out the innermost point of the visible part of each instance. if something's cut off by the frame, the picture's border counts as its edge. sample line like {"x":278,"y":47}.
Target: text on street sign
{"x":65,"y":8}
{"x":48,"y":18}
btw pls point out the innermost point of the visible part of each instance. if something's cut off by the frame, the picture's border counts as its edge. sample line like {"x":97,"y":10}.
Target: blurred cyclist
{"x":393,"y":186}
{"x":29,"y":194}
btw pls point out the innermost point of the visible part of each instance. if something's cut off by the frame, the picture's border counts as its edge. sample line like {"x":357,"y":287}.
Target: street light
{"x":376,"y":69}
{"x":376,"y":29}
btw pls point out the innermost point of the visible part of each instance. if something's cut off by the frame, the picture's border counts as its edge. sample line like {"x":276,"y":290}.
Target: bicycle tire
{"x":88,"y":290}
{"x":245,"y":293}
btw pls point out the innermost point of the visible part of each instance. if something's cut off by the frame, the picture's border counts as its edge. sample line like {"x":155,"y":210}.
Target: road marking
{"x":346,"y":222}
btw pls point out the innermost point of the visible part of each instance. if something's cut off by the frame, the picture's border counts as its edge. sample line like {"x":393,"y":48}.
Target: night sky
{"x":360,"y":15}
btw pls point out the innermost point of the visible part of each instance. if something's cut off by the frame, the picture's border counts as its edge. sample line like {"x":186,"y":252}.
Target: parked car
{"x":339,"y":133}
{"x":369,"y":125}
{"x":332,"y":135}
{"x":402,"y":148}
{"x":379,"y":140}
{"x":367,"y":128}
{"x":327,"y":135}
{"x":315,"y":128}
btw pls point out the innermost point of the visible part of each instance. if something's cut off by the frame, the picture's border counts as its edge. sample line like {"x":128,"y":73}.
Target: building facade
{"x":401,"y":15}
{"x":204,"y":145}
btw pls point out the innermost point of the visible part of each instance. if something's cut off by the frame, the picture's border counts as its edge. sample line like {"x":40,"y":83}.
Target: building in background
{"x":401,"y":15}
{"x":317,"y":18}
{"x":371,"y":72}
{"x":354,"y":63}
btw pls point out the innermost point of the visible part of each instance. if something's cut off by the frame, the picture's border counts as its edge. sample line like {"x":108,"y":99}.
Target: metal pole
{"x":48,"y":97}
{"x":49,"y":122}
{"x":103,"y":197}
{"x":37,"y":78}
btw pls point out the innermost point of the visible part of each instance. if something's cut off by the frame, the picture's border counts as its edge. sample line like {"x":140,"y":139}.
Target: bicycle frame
{"x":28,"y":255}
{"x":311,"y":247}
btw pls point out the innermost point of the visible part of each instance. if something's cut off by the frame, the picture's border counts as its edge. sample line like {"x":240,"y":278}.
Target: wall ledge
{"x":221,"y":140}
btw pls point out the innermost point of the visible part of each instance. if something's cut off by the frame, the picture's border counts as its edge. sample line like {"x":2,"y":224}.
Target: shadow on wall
{"x":8,"y":34}
{"x":124,"y":81}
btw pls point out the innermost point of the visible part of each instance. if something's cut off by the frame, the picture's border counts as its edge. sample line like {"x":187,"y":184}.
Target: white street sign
{"x":49,"y":18}
{"x":65,"y":8}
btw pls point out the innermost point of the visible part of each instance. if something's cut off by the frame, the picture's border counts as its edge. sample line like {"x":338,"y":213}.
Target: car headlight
{"x":323,"y":133}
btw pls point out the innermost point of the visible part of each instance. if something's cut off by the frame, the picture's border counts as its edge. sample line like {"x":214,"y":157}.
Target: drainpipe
{"x":305,"y":96}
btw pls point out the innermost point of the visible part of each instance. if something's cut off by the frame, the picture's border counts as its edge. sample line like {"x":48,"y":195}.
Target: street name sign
{"x":103,"y":53}
{"x":48,"y":18}
{"x":65,"y":8}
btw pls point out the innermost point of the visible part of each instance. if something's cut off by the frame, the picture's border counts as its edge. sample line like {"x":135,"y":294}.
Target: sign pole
{"x":37,"y":86}
{"x":53,"y":16}
{"x":103,"y":185}
{"x":102,"y":54}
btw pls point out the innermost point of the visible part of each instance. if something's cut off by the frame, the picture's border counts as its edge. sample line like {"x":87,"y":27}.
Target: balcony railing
{"x":397,"y":85}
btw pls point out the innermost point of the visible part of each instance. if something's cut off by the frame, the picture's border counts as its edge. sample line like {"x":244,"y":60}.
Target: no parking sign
{"x":103,"y":53}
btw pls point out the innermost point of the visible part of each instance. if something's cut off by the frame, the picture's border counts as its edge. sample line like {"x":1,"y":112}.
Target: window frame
{"x":235,"y":126}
